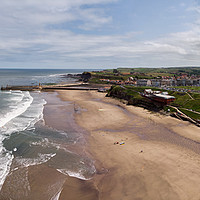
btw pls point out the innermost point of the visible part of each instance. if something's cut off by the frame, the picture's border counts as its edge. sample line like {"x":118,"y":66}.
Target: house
{"x":158,"y":96}
{"x":143,"y":82}
{"x":166,"y":82}
{"x":181,"y":82}
{"x":163,"y":98}
{"x":155,"y":82}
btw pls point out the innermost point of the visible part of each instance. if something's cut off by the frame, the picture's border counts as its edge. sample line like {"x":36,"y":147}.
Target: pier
{"x":22,"y":88}
{"x":68,"y":88}
{"x":46,"y":88}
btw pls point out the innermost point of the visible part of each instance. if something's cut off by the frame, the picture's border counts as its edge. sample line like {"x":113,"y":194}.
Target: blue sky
{"x":99,"y":33}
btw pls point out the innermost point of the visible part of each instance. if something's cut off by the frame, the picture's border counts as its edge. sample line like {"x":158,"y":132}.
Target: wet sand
{"x":158,"y":160}
{"x":43,"y":182}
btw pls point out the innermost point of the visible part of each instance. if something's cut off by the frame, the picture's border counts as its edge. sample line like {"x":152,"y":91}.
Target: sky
{"x":99,"y":33}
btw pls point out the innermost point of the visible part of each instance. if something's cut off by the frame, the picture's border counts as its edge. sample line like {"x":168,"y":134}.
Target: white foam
{"x":7,"y":92}
{"x":16,"y":91}
{"x":42,"y":158}
{"x":54,"y":75}
{"x":73,"y":174}
{"x":5,"y":163}
{"x":23,"y":113}
{"x":33,"y":114}
{"x":57,"y":195}
{"x":42,"y":143}
{"x":15,"y":149}
{"x":22,"y":103}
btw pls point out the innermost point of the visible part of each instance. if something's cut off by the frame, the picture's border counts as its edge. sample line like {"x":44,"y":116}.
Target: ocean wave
{"x":42,"y":158}
{"x":7,"y":92}
{"x":19,"y":117}
{"x":20,"y":106}
{"x":54,"y":75}
{"x":78,"y":174}
{"x":49,"y":75}
{"x":57,"y":195}
{"x":5,"y":162}
{"x":26,"y":120}
{"x":43,"y":143}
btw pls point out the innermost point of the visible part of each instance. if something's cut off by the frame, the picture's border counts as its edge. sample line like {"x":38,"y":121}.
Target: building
{"x":166,"y":82}
{"x":158,"y":96}
{"x":181,"y":82}
{"x":155,"y":82}
{"x":143,"y":82}
{"x":163,"y":98}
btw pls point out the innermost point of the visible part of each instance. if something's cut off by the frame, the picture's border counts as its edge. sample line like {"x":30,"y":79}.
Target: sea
{"x":25,"y":140}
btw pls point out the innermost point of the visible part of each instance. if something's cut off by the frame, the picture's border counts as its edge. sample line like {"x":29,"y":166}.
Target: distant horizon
{"x":97,"y":68}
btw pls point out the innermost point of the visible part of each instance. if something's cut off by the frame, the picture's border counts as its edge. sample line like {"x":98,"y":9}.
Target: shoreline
{"x":158,"y":157}
{"x":141,"y":168}
{"x":44,"y":181}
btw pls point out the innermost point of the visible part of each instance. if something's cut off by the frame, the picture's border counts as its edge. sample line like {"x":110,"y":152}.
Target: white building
{"x":144,"y":82}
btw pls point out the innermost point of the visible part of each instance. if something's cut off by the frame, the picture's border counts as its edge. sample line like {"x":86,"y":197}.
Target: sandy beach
{"x":138,"y":155}
{"x":158,"y":158}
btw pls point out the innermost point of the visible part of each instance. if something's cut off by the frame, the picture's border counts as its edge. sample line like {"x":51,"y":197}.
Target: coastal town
{"x":159,"y":81}
{"x":176,"y":91}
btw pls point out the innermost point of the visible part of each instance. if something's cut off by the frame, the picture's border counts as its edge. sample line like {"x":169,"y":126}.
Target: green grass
{"x":188,"y":87}
{"x":96,"y":80}
{"x":181,"y":99}
{"x":190,"y":114}
{"x":171,"y":70}
{"x":172,"y":110}
{"x":129,"y":92}
{"x":184,"y":101}
{"x":142,"y":88}
{"x":193,"y":104}
{"x":149,"y":73}
{"x":195,"y":95}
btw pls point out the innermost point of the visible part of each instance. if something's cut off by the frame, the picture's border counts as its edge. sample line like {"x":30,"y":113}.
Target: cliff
{"x":133,"y":98}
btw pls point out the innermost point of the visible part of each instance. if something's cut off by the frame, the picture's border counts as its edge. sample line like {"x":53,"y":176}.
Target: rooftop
{"x":164,"y":96}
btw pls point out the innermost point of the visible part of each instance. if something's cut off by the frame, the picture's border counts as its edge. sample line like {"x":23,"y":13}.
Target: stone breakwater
{"x":43,"y":88}
{"x":22,"y":88}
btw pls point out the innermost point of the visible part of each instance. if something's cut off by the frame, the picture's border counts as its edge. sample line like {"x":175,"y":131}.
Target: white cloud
{"x":28,"y":34}
{"x":41,"y":13}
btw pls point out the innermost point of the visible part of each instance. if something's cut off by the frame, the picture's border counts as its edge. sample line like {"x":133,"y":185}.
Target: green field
{"x":171,"y":70}
{"x":190,"y":114}
{"x":146,"y":73}
{"x":188,"y":87}
{"x":184,"y":101}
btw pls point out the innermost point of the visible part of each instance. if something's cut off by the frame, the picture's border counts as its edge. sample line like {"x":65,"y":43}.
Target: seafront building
{"x":163,"y":82}
{"x":144,"y":82}
{"x":159,"y":96}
